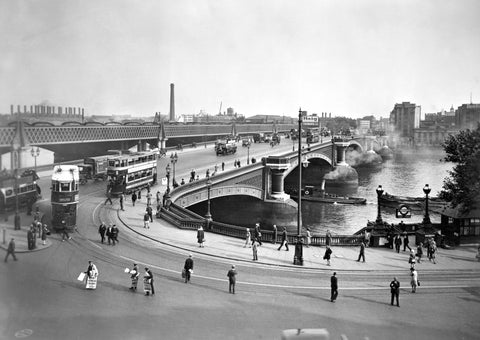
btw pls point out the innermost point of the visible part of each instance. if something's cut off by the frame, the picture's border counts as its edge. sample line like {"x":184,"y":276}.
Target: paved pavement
{"x":343,"y":258}
{"x":20,"y":236}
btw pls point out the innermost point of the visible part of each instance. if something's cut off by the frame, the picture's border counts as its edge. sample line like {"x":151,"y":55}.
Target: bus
{"x":313,"y":135}
{"x":93,"y":168}
{"x":23,"y":190}
{"x":131,"y":171}
{"x":64,"y":199}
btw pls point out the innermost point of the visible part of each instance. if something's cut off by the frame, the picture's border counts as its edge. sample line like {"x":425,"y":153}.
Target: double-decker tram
{"x":23,"y":189}
{"x":132,"y":171}
{"x":65,"y":181}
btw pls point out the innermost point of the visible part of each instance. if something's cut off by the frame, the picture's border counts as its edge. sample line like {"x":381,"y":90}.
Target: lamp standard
{"x":16,"y":220}
{"x":379,"y":213}
{"x":208,"y":215}
{"x":298,"y":257}
{"x":35,"y":153}
{"x":248,"y":154}
{"x":426,"y":218}
{"x":166,"y":196}
{"x":173,"y":160}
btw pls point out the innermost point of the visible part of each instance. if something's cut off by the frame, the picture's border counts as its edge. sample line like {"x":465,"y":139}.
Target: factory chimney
{"x":172,"y":103}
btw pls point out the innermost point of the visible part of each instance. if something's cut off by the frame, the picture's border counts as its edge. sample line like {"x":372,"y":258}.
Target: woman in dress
{"x":247,"y":238}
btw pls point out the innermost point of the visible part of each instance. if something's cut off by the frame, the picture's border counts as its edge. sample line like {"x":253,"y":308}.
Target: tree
{"x":463,"y":184}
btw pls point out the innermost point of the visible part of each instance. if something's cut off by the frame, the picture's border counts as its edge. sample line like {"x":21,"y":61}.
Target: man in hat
{"x":231,"y":279}
{"x":149,"y":277}
{"x":334,"y":287}
{"x":11,"y":250}
{"x":188,"y":268}
{"x":257,"y":235}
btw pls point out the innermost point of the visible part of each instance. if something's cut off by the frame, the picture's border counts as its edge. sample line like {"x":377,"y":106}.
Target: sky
{"x":346,"y":57}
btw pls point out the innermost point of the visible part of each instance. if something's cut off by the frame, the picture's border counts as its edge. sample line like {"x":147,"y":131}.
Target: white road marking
{"x":291,"y":286}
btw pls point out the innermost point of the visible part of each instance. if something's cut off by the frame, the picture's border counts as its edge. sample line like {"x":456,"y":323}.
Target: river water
{"x":406,"y":174}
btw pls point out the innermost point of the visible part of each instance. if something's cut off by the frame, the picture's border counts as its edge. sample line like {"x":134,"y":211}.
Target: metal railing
{"x":185,"y":219}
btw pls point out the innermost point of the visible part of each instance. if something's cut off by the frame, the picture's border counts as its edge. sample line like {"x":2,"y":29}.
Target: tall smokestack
{"x":172,"y":102}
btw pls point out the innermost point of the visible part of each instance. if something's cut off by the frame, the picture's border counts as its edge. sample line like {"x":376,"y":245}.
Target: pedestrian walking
{"x":366,"y":238}
{"x":274,"y":234}
{"x":235,"y":163}
{"x":148,"y":282}
{"x":247,"y":238}
{"x":159,"y":198}
{"x":149,"y":197}
{"x":91,"y":276}
{"x":31,"y":238}
{"x":232,"y":273}
{"x":110,"y":235}
{"x":284,"y":239}
{"x":433,"y":251}
{"x":146,"y":221}
{"x":328,"y":253}
{"x":333,"y":287}
{"x":65,"y":234}
{"x":309,"y":238}
{"x":223,"y":166}
{"x":92,"y":270}
{"x":398,"y":243}
{"x":257,"y":234}
{"x":200,"y":236}
{"x":109,"y":198}
{"x":414,"y":280}
{"x":102,"y":229}
{"x":188,"y":268}
{"x":412,"y":259}
{"x":134,"y":198}
{"x":36,"y":215}
{"x":192,"y":175}
{"x":122,"y":197}
{"x":115,"y":234}
{"x":361,"y":255}
{"x":254,"y":250}
{"x":406,"y":241}
{"x":134,"y":274}
{"x":45,"y":232}
{"x":207,"y":173}
{"x":420,"y":252}
{"x":149,"y":211}
{"x":395,"y":291}
{"x":11,"y":250}
{"x":328,"y":238}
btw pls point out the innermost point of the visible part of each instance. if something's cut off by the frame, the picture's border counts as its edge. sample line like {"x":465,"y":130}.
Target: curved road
{"x":41,"y":298}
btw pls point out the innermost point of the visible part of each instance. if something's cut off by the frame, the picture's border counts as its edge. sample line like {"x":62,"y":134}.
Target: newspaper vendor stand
{"x":91,"y":282}
{"x":147,"y":287}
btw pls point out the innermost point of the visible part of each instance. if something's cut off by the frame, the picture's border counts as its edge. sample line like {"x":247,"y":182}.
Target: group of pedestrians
{"x":111,"y":232}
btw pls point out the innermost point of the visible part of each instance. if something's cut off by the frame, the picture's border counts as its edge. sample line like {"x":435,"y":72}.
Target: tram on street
{"x":132,"y":171}
{"x":24,"y":188}
{"x":64,"y":199}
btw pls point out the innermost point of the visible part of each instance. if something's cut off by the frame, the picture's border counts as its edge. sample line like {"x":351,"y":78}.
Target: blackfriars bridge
{"x":265,"y":180}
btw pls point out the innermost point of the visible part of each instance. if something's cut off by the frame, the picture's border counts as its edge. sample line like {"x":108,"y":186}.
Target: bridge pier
{"x":277,"y":166}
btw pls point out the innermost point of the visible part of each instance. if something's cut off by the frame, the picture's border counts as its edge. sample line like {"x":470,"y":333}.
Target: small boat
{"x":320,"y":196}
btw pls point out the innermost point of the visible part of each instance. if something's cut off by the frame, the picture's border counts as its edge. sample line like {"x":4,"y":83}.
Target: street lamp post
{"x":426,"y":218}
{"x":379,"y":213}
{"x":173,"y":160}
{"x":208,"y":215}
{"x":166,"y":196}
{"x":298,"y":257}
{"x":248,"y":154}
{"x":35,"y":153}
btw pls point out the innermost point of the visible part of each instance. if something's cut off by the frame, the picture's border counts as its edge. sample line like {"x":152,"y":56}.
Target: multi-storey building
{"x":467,"y":116}
{"x":404,"y":118}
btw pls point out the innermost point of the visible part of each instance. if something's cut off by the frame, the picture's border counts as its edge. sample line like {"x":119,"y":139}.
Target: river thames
{"x":406,"y":175}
